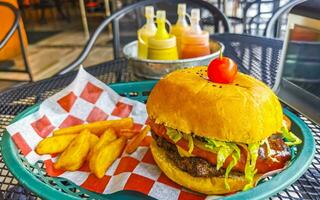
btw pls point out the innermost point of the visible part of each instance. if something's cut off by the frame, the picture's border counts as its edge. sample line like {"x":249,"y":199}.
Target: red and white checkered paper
{"x":85,"y":100}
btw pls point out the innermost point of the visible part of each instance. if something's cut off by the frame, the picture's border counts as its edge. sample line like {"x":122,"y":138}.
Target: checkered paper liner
{"x":86,"y":100}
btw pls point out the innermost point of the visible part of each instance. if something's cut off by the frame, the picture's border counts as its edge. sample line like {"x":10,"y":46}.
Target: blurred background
{"x":54,"y":32}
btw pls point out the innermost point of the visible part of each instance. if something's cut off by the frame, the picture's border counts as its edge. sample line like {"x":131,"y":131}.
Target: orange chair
{"x":14,"y":40}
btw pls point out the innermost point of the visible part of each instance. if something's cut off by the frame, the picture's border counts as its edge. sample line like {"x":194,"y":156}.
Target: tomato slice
{"x":263,"y":164}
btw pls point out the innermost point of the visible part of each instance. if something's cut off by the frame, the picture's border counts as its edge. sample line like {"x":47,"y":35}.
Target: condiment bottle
{"x":195,"y":42}
{"x":181,"y":25}
{"x":144,"y":33}
{"x":162,"y":46}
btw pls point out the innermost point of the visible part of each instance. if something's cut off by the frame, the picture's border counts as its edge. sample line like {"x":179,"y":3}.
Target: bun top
{"x":245,"y":111}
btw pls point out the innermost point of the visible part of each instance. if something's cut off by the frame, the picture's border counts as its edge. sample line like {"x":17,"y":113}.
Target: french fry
{"x":97,"y":128}
{"x":108,"y":136}
{"x":135,"y":142}
{"x":54,"y":144}
{"x":128,"y":133}
{"x":105,"y":156}
{"x":75,"y":154}
{"x":93,"y":140}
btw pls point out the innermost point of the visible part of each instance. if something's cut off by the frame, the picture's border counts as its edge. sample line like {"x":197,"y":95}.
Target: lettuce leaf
{"x":226,"y":149}
{"x":250,"y":168}
{"x":223,"y":149}
{"x":173,"y":134}
{"x":223,"y":153}
{"x":291,"y":138}
{"x":269,"y":151}
{"x":214,"y":144}
{"x":235,"y":158}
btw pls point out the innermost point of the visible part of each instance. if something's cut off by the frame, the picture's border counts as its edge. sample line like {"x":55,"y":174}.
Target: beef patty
{"x":195,"y":166}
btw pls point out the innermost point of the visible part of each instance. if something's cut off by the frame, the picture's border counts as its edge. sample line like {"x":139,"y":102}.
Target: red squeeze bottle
{"x":195,"y":42}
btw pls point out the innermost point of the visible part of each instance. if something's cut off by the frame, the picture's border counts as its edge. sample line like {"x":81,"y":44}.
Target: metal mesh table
{"x":255,"y":55}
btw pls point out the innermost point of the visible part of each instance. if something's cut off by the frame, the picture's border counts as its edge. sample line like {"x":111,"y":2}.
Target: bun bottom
{"x":210,"y":185}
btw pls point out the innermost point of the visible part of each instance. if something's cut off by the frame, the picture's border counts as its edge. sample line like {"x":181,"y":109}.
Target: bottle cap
{"x":195,"y":14}
{"x":182,"y":9}
{"x":194,"y":19}
{"x":162,"y":40}
{"x":162,"y":32}
{"x":149,"y":12}
{"x":161,"y":15}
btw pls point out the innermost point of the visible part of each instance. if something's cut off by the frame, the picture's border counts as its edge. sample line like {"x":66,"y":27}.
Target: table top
{"x":256,"y":56}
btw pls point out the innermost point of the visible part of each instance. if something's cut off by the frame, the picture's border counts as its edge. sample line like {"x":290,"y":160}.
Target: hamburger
{"x":217,"y":138}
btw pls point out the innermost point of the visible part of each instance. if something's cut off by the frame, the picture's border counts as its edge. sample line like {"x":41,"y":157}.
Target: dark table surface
{"x":256,"y":56}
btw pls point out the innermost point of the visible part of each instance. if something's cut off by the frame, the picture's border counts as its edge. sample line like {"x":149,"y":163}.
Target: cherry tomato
{"x":222,"y":70}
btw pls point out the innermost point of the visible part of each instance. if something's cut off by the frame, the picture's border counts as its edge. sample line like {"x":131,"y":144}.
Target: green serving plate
{"x":35,"y":179}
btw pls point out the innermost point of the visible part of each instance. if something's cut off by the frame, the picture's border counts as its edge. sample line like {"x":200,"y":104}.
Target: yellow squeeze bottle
{"x":144,"y":33}
{"x":162,"y":46}
{"x":181,"y":25}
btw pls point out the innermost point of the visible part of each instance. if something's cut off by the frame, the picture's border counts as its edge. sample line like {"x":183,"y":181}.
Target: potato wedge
{"x":75,"y":154}
{"x":135,"y":142}
{"x":93,"y":140}
{"x":54,"y":144}
{"x":105,"y":156}
{"x":128,"y":133}
{"x":97,"y":128}
{"x":108,"y":136}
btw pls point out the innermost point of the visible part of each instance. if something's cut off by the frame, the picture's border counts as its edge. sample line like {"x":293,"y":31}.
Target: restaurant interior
{"x":48,"y":47}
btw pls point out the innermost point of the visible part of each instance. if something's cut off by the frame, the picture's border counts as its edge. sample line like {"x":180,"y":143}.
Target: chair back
{"x":9,"y":39}
{"x":279,"y":19}
{"x":256,"y":14}
{"x":13,"y":39}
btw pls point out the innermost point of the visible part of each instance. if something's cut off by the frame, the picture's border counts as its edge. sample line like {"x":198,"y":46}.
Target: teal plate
{"x":35,"y":179}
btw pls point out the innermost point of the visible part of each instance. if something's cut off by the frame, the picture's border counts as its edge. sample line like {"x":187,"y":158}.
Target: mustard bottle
{"x":195,"y":42}
{"x":162,"y":46}
{"x":144,"y":33}
{"x":181,"y":25}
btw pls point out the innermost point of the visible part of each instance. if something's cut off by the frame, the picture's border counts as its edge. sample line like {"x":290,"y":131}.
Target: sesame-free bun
{"x":244,"y":111}
{"x":205,"y":185}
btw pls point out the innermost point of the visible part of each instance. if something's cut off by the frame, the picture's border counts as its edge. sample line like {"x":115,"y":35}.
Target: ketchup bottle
{"x":195,"y":42}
